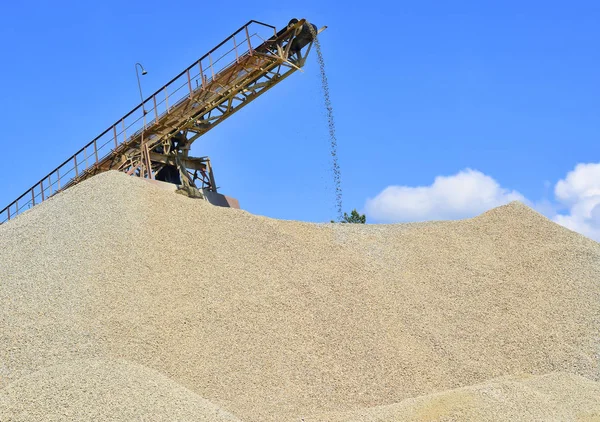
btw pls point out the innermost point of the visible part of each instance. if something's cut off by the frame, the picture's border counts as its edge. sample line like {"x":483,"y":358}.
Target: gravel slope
{"x":103,"y":390}
{"x":553,"y":397}
{"x":273,"y":320}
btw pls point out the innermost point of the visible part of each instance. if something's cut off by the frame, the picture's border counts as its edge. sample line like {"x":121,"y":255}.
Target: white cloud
{"x":471,"y":192}
{"x":580,"y":191}
{"x":580,"y":183}
{"x":462,"y":195}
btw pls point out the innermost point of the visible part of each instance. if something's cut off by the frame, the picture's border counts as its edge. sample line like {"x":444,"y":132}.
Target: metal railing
{"x":200,"y":73}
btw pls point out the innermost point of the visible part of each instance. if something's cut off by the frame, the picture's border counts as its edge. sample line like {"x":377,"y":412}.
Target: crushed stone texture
{"x":104,"y":390}
{"x":553,"y":397}
{"x":275,"y":320}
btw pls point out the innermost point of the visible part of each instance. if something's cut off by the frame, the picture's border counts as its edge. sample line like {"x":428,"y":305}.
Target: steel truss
{"x":166,"y":131}
{"x":209,"y":104}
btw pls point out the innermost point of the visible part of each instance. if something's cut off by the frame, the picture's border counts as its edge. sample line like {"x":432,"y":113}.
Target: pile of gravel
{"x":553,"y":397}
{"x":103,"y":390}
{"x":278,"y":320}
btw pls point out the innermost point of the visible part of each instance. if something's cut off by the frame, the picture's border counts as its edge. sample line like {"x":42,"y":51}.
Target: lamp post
{"x":140,"y":87}
{"x":144,"y":149}
{"x":138,"y":75}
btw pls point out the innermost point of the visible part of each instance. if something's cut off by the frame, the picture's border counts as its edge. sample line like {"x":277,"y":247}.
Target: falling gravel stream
{"x":331,"y":124}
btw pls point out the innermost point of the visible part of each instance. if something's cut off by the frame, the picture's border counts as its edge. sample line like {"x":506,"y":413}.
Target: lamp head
{"x":141,"y":67}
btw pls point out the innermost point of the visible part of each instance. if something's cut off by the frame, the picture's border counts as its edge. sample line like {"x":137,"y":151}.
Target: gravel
{"x":525,"y":398}
{"x":277,"y":320}
{"x":104,"y":390}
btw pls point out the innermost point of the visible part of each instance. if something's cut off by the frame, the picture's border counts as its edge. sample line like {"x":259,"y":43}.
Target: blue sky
{"x":498,"y":100}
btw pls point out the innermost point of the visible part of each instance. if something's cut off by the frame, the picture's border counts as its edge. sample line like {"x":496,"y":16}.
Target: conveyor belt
{"x":160,"y":131}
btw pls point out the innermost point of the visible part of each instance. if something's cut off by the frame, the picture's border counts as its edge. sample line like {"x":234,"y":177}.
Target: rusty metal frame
{"x":221,"y":93}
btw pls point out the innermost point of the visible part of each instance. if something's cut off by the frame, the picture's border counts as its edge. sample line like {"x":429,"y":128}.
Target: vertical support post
{"x":8,"y":210}
{"x":146,"y":161}
{"x":249,"y":43}
{"x":32,"y":197}
{"x":150,"y":174}
{"x":167,"y":99}
{"x":115,"y":135}
{"x":237,"y":57}
{"x":212,"y":70}
{"x":143,"y":162}
{"x":96,"y":151}
{"x":189,"y":81}
{"x":202,"y":74}
{"x":124,"y":130}
{"x":50,"y":185}
{"x":155,"y":109}
{"x":144,"y":115}
{"x":76,"y":169}
{"x":211,"y":176}
{"x":42,"y":189}
{"x":58,"y":177}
